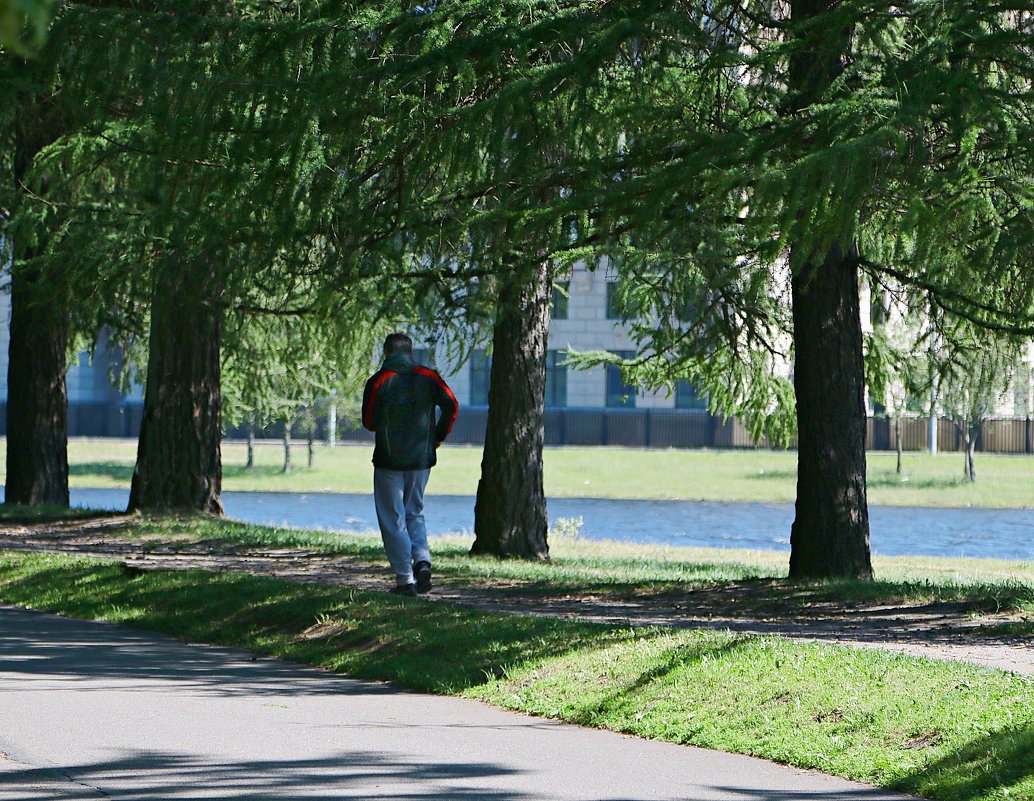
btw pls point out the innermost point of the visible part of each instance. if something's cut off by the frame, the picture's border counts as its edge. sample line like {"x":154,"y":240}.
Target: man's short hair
{"x":397,"y":342}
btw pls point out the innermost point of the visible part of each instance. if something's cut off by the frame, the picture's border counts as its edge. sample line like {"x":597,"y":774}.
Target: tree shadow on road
{"x":365,"y":774}
{"x":165,"y":775}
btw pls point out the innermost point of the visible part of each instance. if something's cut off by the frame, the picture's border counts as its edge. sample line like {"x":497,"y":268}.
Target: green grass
{"x":741,"y":475}
{"x":644,"y":572}
{"x":950,"y":731}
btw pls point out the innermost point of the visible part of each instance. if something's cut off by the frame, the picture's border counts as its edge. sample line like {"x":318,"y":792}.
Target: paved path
{"x":933,"y":630}
{"x":98,"y":711}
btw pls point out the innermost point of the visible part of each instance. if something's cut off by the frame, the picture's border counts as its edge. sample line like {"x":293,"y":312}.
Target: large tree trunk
{"x":178,"y":464}
{"x":830,"y":534}
{"x":510,"y":512}
{"x":37,"y":397}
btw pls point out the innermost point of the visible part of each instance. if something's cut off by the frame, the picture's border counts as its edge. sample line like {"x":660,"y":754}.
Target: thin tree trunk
{"x":37,"y":397}
{"x":287,"y":447}
{"x":312,"y":450}
{"x":179,"y":464}
{"x":251,"y":446}
{"x":510,"y":511}
{"x":970,"y":450}
{"x":830,"y":533}
{"x":897,"y":438}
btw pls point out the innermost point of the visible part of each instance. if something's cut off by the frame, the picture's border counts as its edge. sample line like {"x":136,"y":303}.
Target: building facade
{"x":584,"y":317}
{"x":589,"y":407}
{"x":95,"y":406}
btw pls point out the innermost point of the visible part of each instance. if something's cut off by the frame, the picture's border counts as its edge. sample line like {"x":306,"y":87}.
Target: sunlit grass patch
{"x":576,"y":472}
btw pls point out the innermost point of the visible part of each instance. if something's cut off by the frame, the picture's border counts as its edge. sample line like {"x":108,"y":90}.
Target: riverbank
{"x":742,"y":475}
{"x":943,"y":729}
{"x":894,"y":530}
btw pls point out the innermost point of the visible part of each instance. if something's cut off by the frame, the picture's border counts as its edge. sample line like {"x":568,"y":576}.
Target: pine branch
{"x":958,"y":303}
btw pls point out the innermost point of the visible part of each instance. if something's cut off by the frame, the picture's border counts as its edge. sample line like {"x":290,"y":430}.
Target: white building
{"x":584,"y":317}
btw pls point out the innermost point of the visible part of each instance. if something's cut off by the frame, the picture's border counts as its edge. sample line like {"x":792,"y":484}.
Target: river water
{"x":895,"y":530}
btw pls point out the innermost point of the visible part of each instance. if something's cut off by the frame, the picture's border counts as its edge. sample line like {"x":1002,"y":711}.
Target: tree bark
{"x":830,"y":533}
{"x":251,"y":447}
{"x":510,"y":511}
{"x":287,"y":447}
{"x":897,"y":441}
{"x":179,"y":463}
{"x":311,"y":448}
{"x":37,"y":396}
{"x":971,"y":432}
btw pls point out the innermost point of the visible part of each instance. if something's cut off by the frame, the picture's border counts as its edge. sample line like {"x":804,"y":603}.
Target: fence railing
{"x":635,"y":428}
{"x":675,"y":428}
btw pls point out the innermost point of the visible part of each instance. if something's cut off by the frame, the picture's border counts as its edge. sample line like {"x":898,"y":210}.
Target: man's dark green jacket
{"x":399,"y":404}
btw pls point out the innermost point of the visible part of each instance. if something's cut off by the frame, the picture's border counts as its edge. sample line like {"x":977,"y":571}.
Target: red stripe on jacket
{"x":438,"y":380}
{"x":368,"y":417}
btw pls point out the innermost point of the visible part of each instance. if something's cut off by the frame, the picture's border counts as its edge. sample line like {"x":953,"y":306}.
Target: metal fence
{"x":995,"y":436}
{"x":635,"y":428}
{"x":675,"y":428}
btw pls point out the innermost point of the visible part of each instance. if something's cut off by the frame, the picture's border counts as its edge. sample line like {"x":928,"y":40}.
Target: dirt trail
{"x":935,"y":630}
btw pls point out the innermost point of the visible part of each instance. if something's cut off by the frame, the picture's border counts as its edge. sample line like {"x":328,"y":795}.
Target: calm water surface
{"x":896,"y":530}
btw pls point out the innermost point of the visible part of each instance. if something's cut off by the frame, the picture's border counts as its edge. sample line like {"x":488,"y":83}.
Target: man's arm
{"x":368,"y":402}
{"x":444,"y":400}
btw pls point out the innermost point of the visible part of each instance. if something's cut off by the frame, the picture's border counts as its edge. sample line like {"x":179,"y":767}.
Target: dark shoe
{"x":422,"y":573}
{"x":408,"y":590}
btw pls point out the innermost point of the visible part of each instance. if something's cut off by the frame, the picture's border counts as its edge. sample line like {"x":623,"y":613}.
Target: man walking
{"x":399,"y":404}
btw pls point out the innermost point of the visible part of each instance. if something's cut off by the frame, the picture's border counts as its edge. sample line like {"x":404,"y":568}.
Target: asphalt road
{"x":97,"y":711}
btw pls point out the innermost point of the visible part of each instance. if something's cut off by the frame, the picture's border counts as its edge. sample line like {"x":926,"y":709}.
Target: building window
{"x":619,"y":394}
{"x":687,"y":397}
{"x":480,"y":377}
{"x":556,"y":378}
{"x":560,"y":297}
{"x":424,"y":356}
{"x":613,"y":302}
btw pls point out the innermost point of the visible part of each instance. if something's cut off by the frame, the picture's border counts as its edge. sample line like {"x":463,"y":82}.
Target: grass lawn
{"x":741,"y":475}
{"x":948,"y":731}
{"x":628,"y":571}
{"x":592,"y":566}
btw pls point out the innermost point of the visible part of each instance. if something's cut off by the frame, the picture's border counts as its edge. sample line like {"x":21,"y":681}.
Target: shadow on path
{"x":153,"y":775}
{"x":125,"y":657}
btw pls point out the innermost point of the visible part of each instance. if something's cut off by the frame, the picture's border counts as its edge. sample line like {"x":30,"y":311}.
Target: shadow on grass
{"x":687,"y":593}
{"x":262,"y":471}
{"x":991,"y":766}
{"x":892,"y":480}
{"x":675,"y":659}
{"x":116,"y":471}
{"x":772,"y":475}
{"x":421,"y":645}
{"x":45,"y":513}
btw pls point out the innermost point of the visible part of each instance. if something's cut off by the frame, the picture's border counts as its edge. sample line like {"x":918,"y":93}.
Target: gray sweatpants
{"x":399,"y":497}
